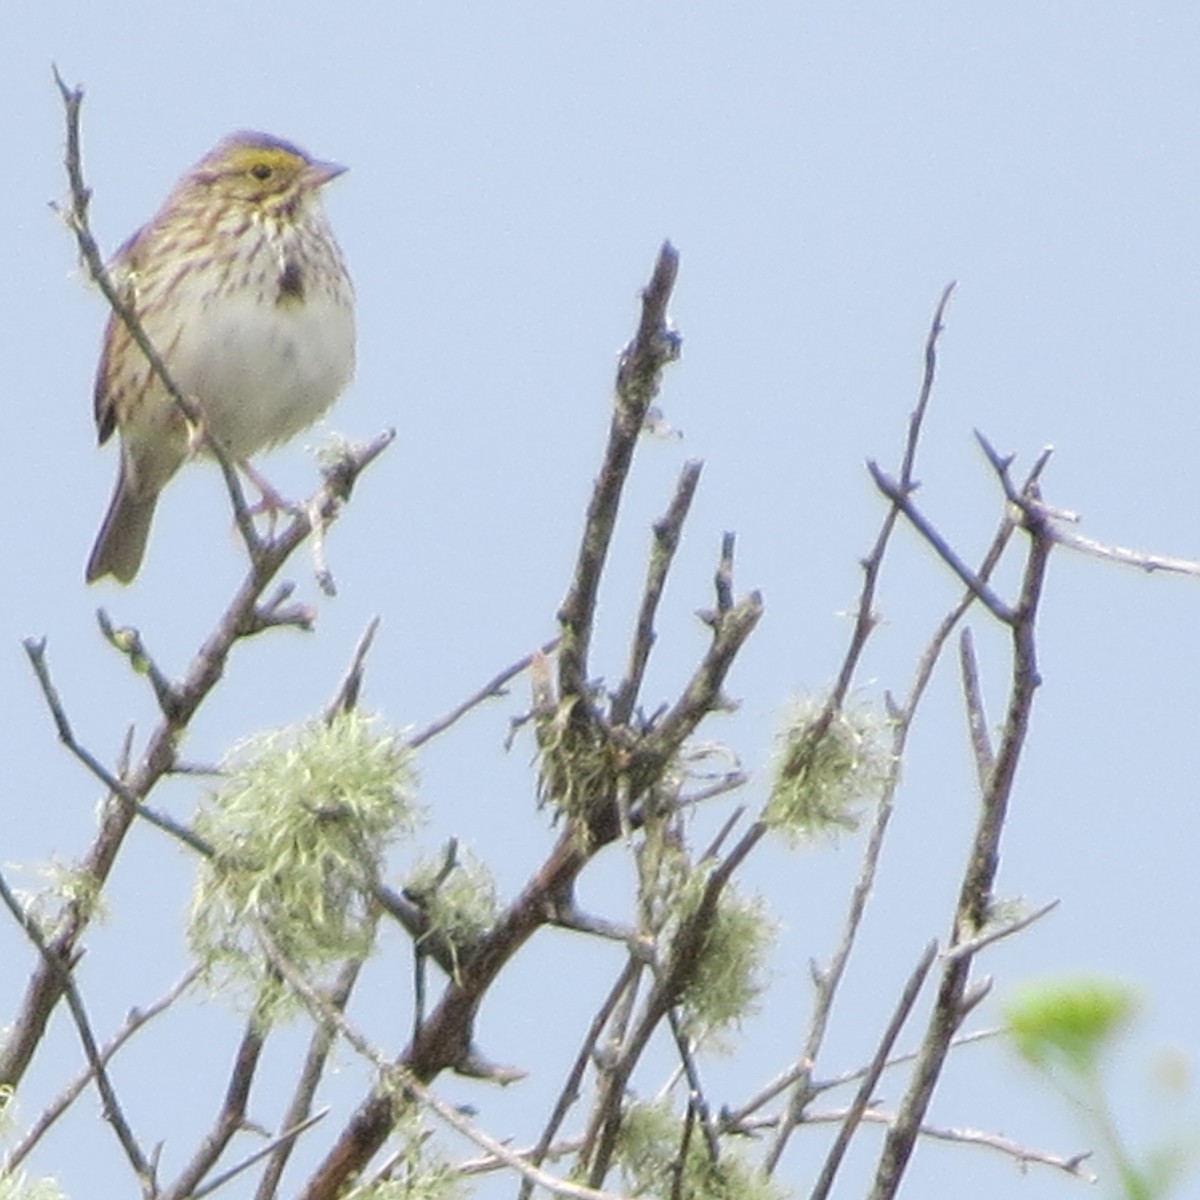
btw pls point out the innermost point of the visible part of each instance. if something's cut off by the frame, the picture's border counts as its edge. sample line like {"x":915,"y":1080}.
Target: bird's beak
{"x":320,"y":173}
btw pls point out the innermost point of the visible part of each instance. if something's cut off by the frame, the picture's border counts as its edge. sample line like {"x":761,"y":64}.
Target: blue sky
{"x":825,"y":169}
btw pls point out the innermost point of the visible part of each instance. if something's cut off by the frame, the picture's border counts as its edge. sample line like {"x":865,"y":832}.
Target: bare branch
{"x":299,"y":1114}
{"x":999,"y":933}
{"x":875,"y":1069}
{"x":232,"y":1115}
{"x":981,"y":742}
{"x":639,"y":375}
{"x":570,"y":1089}
{"x":493,"y":688}
{"x":975,"y":898}
{"x":284,"y":1142}
{"x":348,"y":691}
{"x":900,"y":498}
{"x":61,"y":970}
{"x":667,"y":531}
{"x":136,"y":1018}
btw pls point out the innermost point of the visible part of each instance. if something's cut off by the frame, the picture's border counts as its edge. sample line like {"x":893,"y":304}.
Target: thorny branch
{"x":444,"y":1038}
{"x":132,"y":782}
{"x":828,"y":980}
{"x":974,"y":909}
{"x":643,"y":749}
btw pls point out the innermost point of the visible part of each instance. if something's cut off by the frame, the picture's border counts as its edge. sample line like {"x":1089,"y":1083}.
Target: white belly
{"x":262,"y":371}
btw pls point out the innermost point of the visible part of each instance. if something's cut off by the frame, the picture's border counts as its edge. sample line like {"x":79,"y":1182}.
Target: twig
{"x":698,"y":1104}
{"x":1022,"y":1155}
{"x":89,"y":252}
{"x":321,"y":571}
{"x":570,"y":1089}
{"x":488,"y":1163}
{"x":981,"y":742}
{"x":730,"y":823}
{"x":990,"y":936}
{"x":1120,"y":554}
{"x":285,"y":1141}
{"x":917,"y":419}
{"x":639,"y":375}
{"x":113,"y":1111}
{"x":667,"y":531}
{"x":35,"y":649}
{"x":703,"y":691}
{"x":875,"y":1069}
{"x":398,"y":1077}
{"x":738,"y":1119}
{"x":728,"y":783}
{"x":568,"y":915}
{"x":129,"y":643}
{"x":975,"y":897}
{"x":348,"y":691}
{"x":900,"y":498}
{"x":1047,"y":519}
{"x":135,"y":1019}
{"x":681,"y":1155}
{"x":494,"y":687}
{"x":865,"y":617}
{"x":233,"y":1111}
{"x":723,"y":579}
{"x":298,"y":1118}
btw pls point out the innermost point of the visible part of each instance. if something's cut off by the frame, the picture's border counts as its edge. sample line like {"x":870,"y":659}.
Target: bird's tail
{"x":121,"y":543}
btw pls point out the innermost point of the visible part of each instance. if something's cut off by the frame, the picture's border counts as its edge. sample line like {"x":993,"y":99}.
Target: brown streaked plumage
{"x":240,"y":287}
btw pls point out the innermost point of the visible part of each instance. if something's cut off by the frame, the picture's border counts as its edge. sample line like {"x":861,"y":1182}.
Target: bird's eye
{"x":260,"y":171}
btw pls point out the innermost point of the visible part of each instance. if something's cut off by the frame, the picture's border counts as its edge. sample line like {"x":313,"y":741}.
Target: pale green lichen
{"x":298,"y":831}
{"x":459,"y":901}
{"x":648,"y":1153}
{"x":726,"y":976}
{"x":826,"y":769}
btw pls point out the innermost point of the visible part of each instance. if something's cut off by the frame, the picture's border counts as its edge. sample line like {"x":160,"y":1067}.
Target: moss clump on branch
{"x":826,"y":768}
{"x":298,"y":831}
{"x":661,"y":1158}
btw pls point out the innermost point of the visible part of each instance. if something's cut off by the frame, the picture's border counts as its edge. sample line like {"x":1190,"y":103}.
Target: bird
{"x":241,"y":288}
